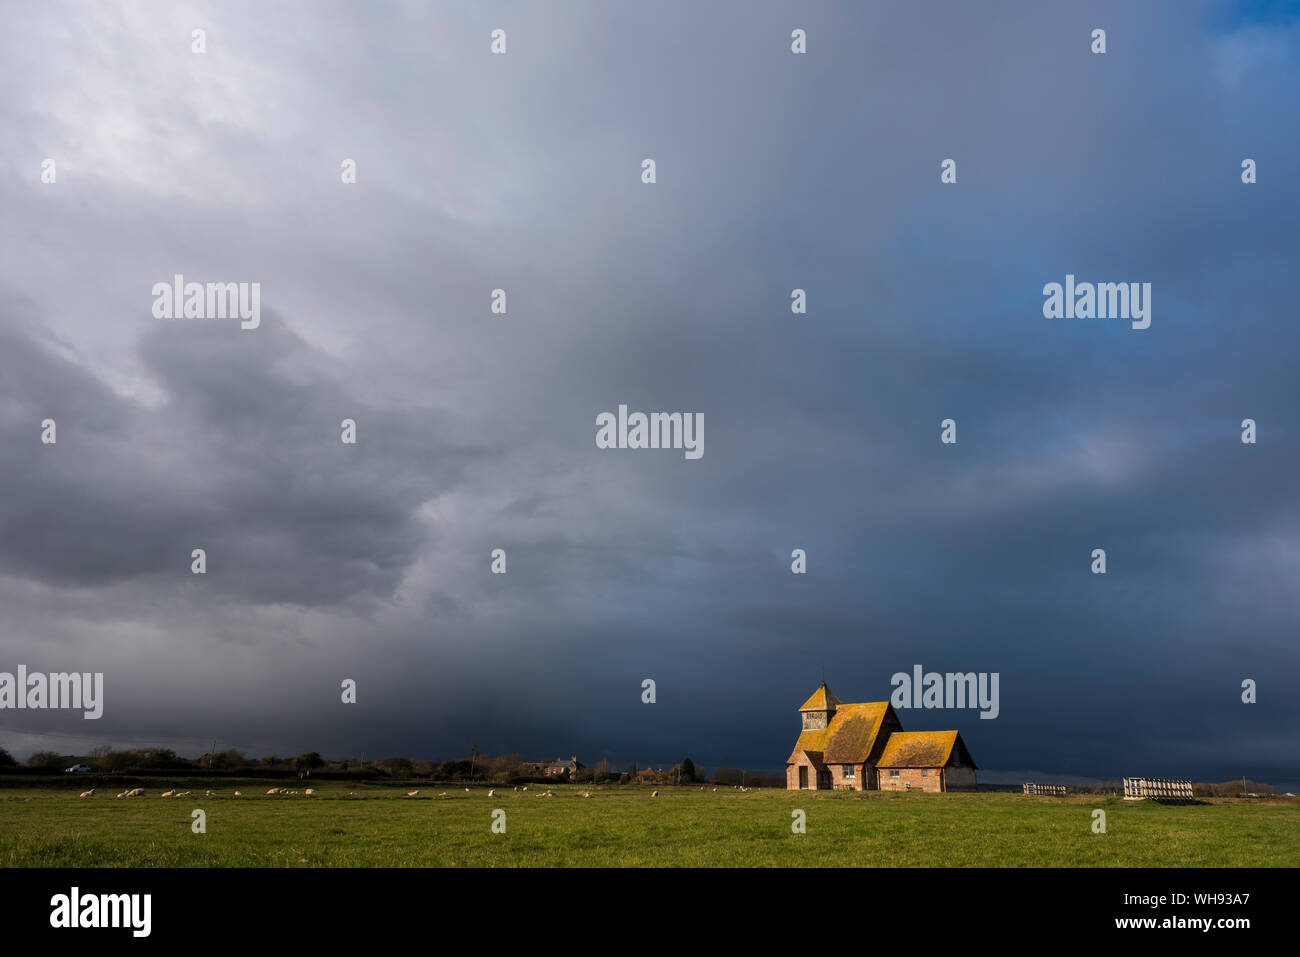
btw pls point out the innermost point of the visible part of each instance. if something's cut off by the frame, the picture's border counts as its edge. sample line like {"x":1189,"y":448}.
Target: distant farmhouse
{"x":863,"y":747}
{"x":552,"y":769}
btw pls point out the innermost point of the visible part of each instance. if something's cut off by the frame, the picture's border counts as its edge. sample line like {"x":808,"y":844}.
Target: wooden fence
{"x":1136,"y":789}
{"x":1051,"y":790}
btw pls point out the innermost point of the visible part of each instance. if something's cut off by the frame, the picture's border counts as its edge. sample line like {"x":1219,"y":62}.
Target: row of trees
{"x":1232,"y":788}
{"x":502,"y":769}
{"x":119,"y":761}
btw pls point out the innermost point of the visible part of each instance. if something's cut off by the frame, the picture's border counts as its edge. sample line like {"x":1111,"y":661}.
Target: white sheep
{"x":273,"y":791}
{"x":309,"y":791}
{"x":412,"y":794}
{"x":135,"y":793}
{"x":237,"y":794}
{"x":90,"y":793}
{"x":492,"y":793}
{"x":654,"y":794}
{"x":168,"y":794}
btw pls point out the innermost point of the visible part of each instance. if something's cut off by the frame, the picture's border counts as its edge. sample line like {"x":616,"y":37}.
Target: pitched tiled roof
{"x":823,"y":699}
{"x":810,"y":741}
{"x":815,"y":757}
{"x":853,"y":732}
{"x":918,"y":749}
{"x":850,"y":736}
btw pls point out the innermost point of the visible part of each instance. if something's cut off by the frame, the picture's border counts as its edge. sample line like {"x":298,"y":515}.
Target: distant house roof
{"x":923,"y":749}
{"x":849,"y":737}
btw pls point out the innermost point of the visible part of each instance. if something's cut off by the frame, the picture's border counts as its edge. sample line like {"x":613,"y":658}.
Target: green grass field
{"x":362,"y":825}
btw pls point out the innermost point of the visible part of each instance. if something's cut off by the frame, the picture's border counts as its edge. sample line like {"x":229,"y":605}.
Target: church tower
{"x":818,"y":710}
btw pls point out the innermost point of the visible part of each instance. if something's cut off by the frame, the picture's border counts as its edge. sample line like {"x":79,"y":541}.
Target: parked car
{"x":77,"y":769}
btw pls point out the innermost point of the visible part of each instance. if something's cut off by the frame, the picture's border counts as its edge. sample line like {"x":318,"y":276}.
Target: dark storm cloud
{"x":476,"y":432}
{"x":242,"y":458}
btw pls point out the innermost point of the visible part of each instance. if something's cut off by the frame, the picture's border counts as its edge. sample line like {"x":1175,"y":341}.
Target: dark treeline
{"x":502,"y":769}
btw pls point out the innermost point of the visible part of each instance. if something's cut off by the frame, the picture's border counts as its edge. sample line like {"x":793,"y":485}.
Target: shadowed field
{"x":359,"y":825}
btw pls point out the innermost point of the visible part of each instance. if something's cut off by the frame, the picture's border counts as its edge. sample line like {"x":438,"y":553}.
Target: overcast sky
{"x":477,"y":431}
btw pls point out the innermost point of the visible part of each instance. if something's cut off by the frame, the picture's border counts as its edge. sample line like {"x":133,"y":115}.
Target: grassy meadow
{"x":348,"y":824}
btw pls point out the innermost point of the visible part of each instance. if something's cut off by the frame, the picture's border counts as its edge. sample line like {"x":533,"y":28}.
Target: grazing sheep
{"x":237,"y":794}
{"x":273,"y":791}
{"x":122,"y":795}
{"x":467,"y":790}
{"x":715,"y":790}
{"x":516,"y":787}
{"x":492,"y":793}
{"x":87,"y":794}
{"x":309,"y":791}
{"x":135,"y":793}
{"x":168,"y":794}
{"x":525,"y":787}
{"x":654,"y":794}
{"x":443,"y":794}
{"x":209,"y":794}
{"x":412,"y":794}
{"x":586,"y":794}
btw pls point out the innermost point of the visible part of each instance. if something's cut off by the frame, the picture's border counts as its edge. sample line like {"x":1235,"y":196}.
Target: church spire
{"x":818,"y":710}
